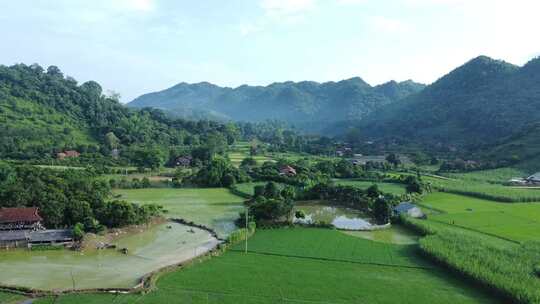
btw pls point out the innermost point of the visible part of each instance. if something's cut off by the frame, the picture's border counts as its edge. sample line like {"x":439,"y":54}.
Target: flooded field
{"x":339,"y":217}
{"x":216,"y":208}
{"x":163,"y":245}
{"x":354,"y":222}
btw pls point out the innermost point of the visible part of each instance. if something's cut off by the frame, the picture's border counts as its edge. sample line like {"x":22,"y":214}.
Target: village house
{"x":21,"y":227}
{"x":68,"y":154}
{"x":409,"y":209}
{"x":534,"y":179}
{"x":183,"y":161}
{"x":20,"y":219}
{"x":288,"y":171}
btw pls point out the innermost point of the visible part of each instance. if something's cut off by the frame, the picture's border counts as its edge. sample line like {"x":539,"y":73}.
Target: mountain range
{"x":304,"y":103}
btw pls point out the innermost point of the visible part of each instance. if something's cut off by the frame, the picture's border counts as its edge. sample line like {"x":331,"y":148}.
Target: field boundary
{"x":332,"y":260}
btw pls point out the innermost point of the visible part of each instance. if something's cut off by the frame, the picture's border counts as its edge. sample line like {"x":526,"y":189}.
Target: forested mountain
{"x":480,"y":103}
{"x":43,"y":112}
{"x":300,"y":103}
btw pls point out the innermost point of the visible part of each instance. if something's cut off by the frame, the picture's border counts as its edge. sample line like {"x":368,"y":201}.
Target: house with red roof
{"x":288,"y":171}
{"x":20,"y":219}
{"x":68,"y":153}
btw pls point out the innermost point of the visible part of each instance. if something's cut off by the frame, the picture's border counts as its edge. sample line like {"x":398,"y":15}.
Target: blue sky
{"x":137,"y":46}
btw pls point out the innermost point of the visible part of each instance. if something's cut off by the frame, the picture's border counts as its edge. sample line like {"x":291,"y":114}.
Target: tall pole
{"x":247,"y":231}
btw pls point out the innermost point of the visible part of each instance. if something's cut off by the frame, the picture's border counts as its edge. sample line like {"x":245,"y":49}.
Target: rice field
{"x":485,"y":190}
{"x":303,"y":265}
{"x":518,"y":222}
{"x":216,"y":208}
{"x":240,"y":150}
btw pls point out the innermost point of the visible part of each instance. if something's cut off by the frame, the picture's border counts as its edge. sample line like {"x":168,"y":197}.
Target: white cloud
{"x":286,"y":8}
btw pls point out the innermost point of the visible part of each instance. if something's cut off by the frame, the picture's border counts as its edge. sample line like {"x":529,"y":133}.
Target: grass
{"x":517,"y":222}
{"x":289,"y":277}
{"x":10,"y":298}
{"x":213,"y":207}
{"x":393,"y":188}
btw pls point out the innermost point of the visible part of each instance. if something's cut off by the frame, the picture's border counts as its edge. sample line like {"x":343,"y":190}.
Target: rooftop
{"x":13,"y":215}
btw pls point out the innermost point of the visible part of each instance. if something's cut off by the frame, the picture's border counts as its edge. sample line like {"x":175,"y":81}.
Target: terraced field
{"x":240,"y":151}
{"x":213,"y":207}
{"x":303,"y":265}
{"x":517,"y":222}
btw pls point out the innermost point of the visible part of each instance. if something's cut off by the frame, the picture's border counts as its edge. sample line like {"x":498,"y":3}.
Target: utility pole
{"x":247,"y":231}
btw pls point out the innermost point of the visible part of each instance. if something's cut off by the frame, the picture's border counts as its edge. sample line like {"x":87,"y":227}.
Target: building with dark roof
{"x":29,"y":238}
{"x":409,"y":209}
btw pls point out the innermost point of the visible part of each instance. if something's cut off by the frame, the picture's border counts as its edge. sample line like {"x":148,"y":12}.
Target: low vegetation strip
{"x":508,"y":270}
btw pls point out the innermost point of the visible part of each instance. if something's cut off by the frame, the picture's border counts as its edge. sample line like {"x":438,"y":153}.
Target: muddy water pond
{"x":163,"y":245}
{"x":353,"y":222}
{"x":339,"y":217}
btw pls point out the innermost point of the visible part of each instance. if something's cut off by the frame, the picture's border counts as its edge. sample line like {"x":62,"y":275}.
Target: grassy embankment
{"x":303,"y":265}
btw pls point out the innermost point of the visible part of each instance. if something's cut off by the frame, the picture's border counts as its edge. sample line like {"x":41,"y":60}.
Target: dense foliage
{"x":68,"y":197}
{"x":44,"y":112}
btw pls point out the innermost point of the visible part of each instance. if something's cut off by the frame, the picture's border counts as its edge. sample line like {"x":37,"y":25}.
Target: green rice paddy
{"x":303,"y":265}
{"x":213,"y":207}
{"x":517,"y":222}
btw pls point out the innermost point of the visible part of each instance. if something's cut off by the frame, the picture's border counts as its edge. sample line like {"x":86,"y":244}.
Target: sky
{"x":138,"y":46}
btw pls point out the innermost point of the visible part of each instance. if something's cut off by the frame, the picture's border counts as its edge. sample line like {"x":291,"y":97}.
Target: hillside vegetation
{"x":43,"y":112}
{"x":485,"y":101}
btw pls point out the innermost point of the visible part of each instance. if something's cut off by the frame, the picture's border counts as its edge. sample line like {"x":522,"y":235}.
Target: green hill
{"x":304,"y":104}
{"x":43,"y":112}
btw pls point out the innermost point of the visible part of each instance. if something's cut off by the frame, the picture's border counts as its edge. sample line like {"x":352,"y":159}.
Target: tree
{"x":248,"y":162}
{"x":382,"y":211}
{"x":373,"y":191}
{"x":78,"y":231}
{"x":272,"y":191}
{"x":111,"y":140}
{"x":393,"y":159}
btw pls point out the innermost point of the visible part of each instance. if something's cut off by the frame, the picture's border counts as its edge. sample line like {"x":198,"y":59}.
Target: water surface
{"x":160,"y":246}
{"x":339,"y":217}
